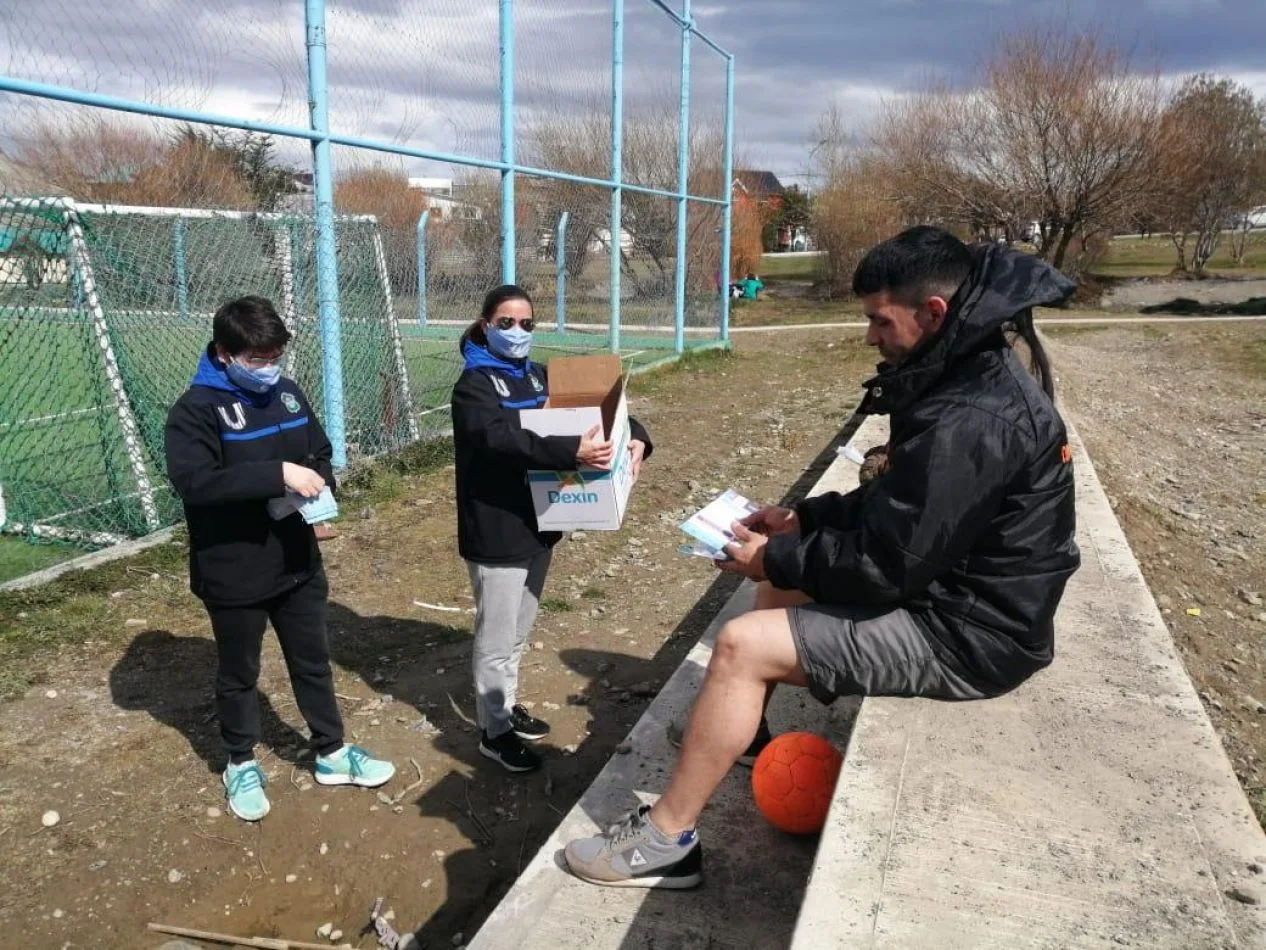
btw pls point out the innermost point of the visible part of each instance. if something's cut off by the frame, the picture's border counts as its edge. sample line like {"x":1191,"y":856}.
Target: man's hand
{"x":637,"y":450}
{"x":300,"y":480}
{"x":773,"y":520}
{"x":747,"y":554}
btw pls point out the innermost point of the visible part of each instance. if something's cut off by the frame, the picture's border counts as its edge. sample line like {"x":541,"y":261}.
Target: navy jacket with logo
{"x":225,"y":449}
{"x":496,"y":522}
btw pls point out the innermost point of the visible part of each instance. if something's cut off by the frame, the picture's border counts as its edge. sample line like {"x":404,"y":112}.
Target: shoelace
{"x":356,"y":759}
{"x":249,"y":779}
{"x":628,"y":827}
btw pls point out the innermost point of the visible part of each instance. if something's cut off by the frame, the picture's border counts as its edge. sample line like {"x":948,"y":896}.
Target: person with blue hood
{"x":506,"y":554}
{"x":244,"y":449}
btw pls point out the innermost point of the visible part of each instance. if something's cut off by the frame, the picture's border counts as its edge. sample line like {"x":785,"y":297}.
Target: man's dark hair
{"x":249,"y":323}
{"x":924,"y":261}
{"x":918,"y":263}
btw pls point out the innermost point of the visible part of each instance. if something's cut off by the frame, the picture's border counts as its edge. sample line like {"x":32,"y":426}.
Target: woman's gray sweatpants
{"x":506,"y":601}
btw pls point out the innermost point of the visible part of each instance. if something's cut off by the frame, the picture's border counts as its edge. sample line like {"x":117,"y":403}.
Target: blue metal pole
{"x":617,"y":162}
{"x":506,"y":18}
{"x":326,"y":242}
{"x":422,"y":223}
{"x":727,"y":213}
{"x":182,"y":274}
{"x":683,"y":181}
{"x":560,"y":272}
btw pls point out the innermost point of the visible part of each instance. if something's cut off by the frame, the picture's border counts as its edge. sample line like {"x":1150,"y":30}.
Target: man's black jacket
{"x":972,"y":526}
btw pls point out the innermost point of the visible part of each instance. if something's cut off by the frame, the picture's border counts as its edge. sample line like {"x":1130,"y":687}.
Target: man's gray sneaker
{"x":677,"y":731}
{"x":634,"y":853}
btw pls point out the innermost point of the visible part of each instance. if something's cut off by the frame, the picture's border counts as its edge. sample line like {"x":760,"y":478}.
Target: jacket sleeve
{"x":830,"y":509}
{"x":914,"y":523}
{"x":195,"y":464}
{"x":478,"y":416}
{"x":320,"y":451}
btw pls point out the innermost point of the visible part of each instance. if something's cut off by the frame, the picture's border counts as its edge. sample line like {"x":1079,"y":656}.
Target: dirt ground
{"x":1175,"y":421}
{"x":117,"y":734}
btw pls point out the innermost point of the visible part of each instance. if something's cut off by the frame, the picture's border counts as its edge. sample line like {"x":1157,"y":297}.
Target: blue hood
{"x":480,"y":357}
{"x":211,"y":375}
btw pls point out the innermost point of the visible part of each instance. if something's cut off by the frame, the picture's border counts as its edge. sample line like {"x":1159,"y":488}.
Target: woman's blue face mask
{"x":510,"y":338}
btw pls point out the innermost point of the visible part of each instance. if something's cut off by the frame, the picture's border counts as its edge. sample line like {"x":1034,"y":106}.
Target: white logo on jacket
{"x":500,"y":386}
{"x":238,"y":422}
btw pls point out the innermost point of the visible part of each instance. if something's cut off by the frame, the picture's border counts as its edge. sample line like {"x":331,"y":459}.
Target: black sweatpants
{"x":298,"y":616}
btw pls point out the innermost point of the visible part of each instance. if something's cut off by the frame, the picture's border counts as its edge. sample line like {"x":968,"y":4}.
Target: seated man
{"x":937,"y":578}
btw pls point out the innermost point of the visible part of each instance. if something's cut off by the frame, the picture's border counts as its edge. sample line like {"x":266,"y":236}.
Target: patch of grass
{"x":1155,"y":257}
{"x":556,"y":605}
{"x":19,"y":557}
{"x":776,"y":267}
{"x":385,"y":478}
{"x":692,"y":361}
{"x":779,"y":311}
{"x":593,"y":592}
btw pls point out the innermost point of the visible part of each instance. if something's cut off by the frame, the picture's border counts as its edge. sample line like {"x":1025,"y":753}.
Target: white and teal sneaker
{"x":352,"y":765}
{"x":244,"y":783}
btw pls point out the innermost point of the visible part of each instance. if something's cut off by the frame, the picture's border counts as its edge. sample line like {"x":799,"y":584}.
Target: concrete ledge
{"x":1092,"y":807}
{"x":88,"y":561}
{"x":756,"y":876}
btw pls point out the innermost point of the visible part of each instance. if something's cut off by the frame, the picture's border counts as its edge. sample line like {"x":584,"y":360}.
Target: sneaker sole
{"x":349,"y":780}
{"x":684,"y":882}
{"x":531,"y":736}
{"x":517,"y":769}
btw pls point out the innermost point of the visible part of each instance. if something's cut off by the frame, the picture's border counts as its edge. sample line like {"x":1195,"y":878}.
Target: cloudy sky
{"x":424,"y":71}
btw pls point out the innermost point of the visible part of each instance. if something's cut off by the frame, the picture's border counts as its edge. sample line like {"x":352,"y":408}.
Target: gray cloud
{"x":425,"y":71}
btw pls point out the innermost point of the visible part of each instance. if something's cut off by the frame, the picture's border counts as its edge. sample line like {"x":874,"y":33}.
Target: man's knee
{"x":734,"y":653}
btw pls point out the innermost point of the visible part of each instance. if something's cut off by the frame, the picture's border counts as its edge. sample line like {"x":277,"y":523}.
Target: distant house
{"x":442,"y":202}
{"x":760,"y":187}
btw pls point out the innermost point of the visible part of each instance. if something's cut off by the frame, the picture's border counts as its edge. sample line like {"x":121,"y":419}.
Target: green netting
{"x":103,"y":315}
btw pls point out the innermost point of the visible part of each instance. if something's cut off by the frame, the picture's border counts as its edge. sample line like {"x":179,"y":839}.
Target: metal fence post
{"x":683,"y":181}
{"x":560,"y":273}
{"x":182,"y":272}
{"x":326,"y":241}
{"x":727,"y":213}
{"x":506,"y":20}
{"x":422,"y":223}
{"x":617,"y":162}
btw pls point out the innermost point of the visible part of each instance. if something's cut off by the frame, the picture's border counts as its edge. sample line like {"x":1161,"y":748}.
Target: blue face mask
{"x":254,"y":380}
{"x":512,"y":344}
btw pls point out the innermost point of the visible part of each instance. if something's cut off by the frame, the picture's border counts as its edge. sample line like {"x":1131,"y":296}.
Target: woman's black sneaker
{"x":527,"y":727}
{"x":509,"y":750}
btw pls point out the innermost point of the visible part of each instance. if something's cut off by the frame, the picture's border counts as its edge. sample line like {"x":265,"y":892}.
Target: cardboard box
{"x":584,"y":391}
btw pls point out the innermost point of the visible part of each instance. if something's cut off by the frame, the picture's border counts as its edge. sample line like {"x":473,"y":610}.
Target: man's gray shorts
{"x":860,"y":651}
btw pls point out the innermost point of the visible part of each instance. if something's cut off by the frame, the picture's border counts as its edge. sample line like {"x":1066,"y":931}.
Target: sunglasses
{"x":506,"y":323}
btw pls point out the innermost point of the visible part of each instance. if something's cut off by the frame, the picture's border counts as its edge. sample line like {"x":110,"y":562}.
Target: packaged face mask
{"x":313,"y":510}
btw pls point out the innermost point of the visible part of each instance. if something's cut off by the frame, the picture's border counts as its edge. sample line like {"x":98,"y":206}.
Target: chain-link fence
{"x":374,"y":171}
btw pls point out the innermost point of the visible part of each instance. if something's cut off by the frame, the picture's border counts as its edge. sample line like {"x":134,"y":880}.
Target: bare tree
{"x":1059,"y":129}
{"x":1210,"y":165}
{"x":385,"y":193}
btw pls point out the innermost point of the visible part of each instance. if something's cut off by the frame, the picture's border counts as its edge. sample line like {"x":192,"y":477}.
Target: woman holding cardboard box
{"x":497,"y":534}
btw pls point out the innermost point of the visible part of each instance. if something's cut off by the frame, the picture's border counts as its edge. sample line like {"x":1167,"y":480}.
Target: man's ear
{"x":936,"y":308}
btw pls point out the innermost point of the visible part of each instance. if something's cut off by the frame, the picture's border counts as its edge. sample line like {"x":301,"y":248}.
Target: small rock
{"x":569,"y":749}
{"x":385,"y":798}
{"x":1254,"y":868}
{"x":324,"y":930}
{"x":213,"y":812}
{"x":1251,"y":598}
{"x":291,"y":878}
{"x":336,"y":936}
{"x":325,"y":848}
{"x":325,"y":808}
{"x":375,"y":722}
{"x":538,"y":645}
{"x":174,"y":876}
{"x":458,"y":939}
{"x":50,"y":818}
{"x":97,"y":865}
{"x":1164,"y":602}
{"x":624,"y":748}
{"x":1245,"y":895}
{"x":1260,"y":618}
{"x":59,"y":914}
{"x":578,"y":536}
{"x":135,"y":622}
{"x":51,"y":694}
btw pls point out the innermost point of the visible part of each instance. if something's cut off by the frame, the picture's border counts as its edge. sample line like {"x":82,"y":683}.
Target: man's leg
{"x":299,"y":618}
{"x":658,"y":847}
{"x":239,"y":633}
{"x":753,"y":653}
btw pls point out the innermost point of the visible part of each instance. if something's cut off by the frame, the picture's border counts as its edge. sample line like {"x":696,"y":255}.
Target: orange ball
{"x":793,"y":779}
